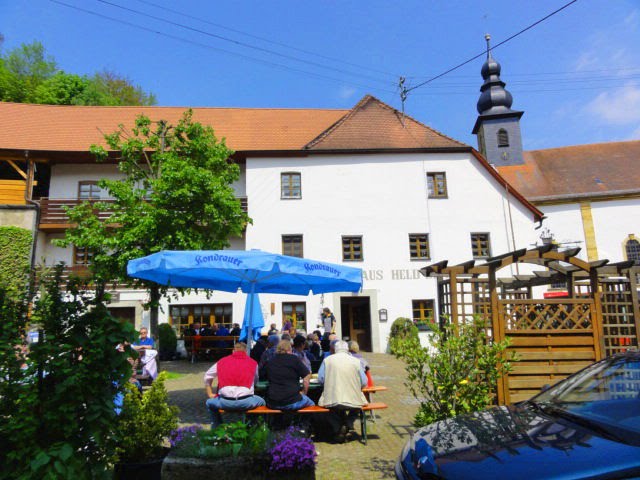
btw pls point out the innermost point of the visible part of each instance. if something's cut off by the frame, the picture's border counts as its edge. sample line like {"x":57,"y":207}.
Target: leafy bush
{"x":145,"y":421}
{"x":57,"y":418}
{"x":228,"y":439}
{"x":15,"y":251}
{"x":168,"y":341}
{"x":402,"y":330}
{"x":458,"y":374}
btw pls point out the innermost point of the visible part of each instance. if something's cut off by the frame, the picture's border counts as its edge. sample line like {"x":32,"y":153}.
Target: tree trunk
{"x":154,"y":307}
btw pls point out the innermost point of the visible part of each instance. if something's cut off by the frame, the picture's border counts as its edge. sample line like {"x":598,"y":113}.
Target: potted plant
{"x":144,"y":422}
{"x":168,"y":341}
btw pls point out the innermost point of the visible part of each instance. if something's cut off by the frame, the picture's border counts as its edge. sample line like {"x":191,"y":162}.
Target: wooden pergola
{"x":597,"y":315}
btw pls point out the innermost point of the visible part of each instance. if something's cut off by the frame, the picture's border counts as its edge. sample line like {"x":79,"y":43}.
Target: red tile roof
{"x":76,"y":128}
{"x":373,"y":125}
{"x":581,"y":170}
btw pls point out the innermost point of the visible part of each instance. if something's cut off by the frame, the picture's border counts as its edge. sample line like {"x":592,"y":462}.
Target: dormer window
{"x":503,"y":138}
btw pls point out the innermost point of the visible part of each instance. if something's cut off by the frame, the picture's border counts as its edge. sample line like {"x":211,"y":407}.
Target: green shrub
{"x":168,"y":341}
{"x":145,"y":421}
{"x":57,"y":418}
{"x":15,"y":253}
{"x":402,"y":330}
{"x":458,"y":373}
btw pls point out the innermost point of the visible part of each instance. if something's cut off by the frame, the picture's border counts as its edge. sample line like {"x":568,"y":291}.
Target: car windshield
{"x":606,"y":393}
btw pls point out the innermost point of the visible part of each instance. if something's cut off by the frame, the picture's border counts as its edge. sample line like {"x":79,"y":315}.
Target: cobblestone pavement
{"x":349,"y":461}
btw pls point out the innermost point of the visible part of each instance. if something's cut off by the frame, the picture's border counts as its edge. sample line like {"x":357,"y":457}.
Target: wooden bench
{"x":197,"y":344}
{"x":264,"y":410}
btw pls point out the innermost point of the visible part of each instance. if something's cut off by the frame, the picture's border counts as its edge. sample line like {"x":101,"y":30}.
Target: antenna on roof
{"x":403,"y":95}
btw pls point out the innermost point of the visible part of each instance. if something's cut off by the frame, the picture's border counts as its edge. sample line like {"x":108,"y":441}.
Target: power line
{"x":536,"y":90}
{"x":263,"y":39}
{"x":241,"y":44}
{"x":217,"y":49}
{"x":407,"y":90}
{"x":535,"y":74}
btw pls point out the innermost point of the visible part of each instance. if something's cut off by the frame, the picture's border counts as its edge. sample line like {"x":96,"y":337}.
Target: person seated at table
{"x":259,"y":347}
{"x":206,"y":330}
{"x":219,"y":330}
{"x":314,"y":346}
{"x":343,"y":378}
{"x":268,"y":354}
{"x":235,"y":331}
{"x":333,"y":338}
{"x":144,"y":346}
{"x":299,"y":350}
{"x":354,"y":350}
{"x":237,"y":374}
{"x":284,"y":373}
{"x":192,"y":330}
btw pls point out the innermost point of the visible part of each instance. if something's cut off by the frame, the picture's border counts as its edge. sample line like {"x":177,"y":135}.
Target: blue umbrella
{"x":252,"y":271}
{"x":253,"y":319}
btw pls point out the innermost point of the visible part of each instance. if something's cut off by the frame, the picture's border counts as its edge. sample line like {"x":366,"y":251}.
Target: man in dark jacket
{"x":284,"y":373}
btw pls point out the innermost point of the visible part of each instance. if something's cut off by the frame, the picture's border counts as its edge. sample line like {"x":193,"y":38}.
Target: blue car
{"x":585,"y":427}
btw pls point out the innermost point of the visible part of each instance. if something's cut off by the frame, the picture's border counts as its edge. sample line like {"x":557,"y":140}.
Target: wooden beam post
{"x":497,"y":331}
{"x":598,"y":334}
{"x":453,"y":292}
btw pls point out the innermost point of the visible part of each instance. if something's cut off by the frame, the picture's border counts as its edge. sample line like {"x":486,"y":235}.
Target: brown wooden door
{"x":356,"y":320}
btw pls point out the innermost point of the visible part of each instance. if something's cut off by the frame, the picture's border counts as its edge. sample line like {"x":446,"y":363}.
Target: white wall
{"x":65,"y":177}
{"x":565,"y":222}
{"x":384,"y":199}
{"x":613,"y":222}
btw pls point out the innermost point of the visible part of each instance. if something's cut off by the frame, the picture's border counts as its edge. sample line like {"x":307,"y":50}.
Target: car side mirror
{"x":545,"y":387}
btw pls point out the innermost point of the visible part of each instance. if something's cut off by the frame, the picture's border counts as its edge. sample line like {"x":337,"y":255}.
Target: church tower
{"x":497,"y":126}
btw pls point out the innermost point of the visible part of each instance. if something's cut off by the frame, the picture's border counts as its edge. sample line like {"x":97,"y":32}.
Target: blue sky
{"x":576,"y":76}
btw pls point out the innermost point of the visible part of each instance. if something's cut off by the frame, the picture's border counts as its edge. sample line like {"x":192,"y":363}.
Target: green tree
{"x":457,"y":373}
{"x":110,"y":88}
{"x":29,"y":74}
{"x":22,"y":70}
{"x":62,"y":89}
{"x":176,"y":194}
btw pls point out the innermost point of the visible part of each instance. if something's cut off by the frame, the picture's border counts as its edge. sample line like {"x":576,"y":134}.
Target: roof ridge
{"x":319,"y":138}
{"x":582,"y":145}
{"x":358,"y":106}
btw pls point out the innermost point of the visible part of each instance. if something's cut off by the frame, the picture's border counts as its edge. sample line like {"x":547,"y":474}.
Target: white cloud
{"x":346,"y":92}
{"x":620,"y":106}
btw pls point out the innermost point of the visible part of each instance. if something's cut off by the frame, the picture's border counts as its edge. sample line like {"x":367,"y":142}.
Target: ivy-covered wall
{"x":15,"y":251}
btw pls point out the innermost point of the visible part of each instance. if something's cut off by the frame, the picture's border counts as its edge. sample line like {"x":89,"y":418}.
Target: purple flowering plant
{"x":292,"y":451}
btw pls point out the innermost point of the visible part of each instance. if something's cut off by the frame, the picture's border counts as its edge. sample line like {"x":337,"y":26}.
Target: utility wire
{"x":407,"y":90}
{"x":263,"y":39}
{"x":217,"y":49}
{"x":242,"y":44}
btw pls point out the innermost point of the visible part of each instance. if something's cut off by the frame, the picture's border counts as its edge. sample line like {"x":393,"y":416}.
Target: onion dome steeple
{"x":494,"y":98}
{"x":497,"y":126}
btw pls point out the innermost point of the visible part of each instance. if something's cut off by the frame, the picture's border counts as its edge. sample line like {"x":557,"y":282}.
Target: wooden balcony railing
{"x":54,"y":217}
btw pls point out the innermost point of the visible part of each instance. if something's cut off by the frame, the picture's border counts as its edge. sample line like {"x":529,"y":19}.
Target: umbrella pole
{"x":250,"y":327}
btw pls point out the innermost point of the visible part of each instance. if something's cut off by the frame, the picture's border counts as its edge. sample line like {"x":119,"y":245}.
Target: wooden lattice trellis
{"x":552,"y":337}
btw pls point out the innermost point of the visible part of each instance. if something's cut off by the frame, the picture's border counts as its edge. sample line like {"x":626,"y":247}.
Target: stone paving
{"x":349,"y":461}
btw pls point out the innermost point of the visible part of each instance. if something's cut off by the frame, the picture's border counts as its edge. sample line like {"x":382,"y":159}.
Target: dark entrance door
{"x":356,"y":320}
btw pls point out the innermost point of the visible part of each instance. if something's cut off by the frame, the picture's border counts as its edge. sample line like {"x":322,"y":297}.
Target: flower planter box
{"x":231,"y":468}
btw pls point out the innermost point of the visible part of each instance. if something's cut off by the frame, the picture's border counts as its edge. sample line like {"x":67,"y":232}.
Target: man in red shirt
{"x":236,"y":374}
